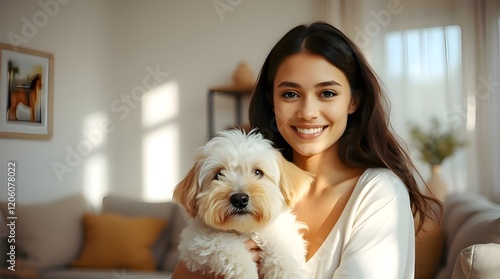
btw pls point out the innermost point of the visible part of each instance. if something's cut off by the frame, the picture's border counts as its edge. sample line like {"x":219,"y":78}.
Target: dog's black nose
{"x":239,"y":200}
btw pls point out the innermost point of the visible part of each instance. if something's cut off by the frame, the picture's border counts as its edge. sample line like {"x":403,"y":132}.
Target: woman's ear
{"x":354,"y":104}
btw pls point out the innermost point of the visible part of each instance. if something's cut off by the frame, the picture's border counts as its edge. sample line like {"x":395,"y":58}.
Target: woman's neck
{"x":327,"y":167}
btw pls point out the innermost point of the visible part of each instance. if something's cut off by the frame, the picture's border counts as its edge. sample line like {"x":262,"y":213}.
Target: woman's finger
{"x":253,"y":249}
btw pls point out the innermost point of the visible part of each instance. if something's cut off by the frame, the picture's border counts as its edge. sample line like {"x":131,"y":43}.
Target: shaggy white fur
{"x":240,"y":187}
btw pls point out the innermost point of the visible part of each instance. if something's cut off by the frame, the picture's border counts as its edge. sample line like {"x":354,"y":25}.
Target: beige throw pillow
{"x":478,"y":261}
{"x":50,"y":234}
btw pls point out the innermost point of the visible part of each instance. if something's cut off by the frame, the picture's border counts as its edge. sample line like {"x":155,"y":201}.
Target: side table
{"x":238,"y":92}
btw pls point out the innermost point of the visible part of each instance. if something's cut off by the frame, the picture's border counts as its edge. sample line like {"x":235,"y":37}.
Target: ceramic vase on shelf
{"x":243,"y":75}
{"x":436,"y":184}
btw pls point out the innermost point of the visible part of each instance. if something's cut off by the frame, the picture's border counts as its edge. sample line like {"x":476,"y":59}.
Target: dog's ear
{"x":185,"y":192}
{"x":294,"y":182}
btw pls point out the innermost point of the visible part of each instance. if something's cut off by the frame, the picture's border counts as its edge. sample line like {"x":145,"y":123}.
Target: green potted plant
{"x":435,"y":145}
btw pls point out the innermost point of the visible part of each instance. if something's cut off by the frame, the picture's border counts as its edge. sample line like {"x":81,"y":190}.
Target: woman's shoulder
{"x":381,"y":182}
{"x":380,"y":175}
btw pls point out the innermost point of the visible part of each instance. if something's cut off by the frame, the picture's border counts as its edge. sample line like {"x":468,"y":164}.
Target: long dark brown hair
{"x":368,"y":141}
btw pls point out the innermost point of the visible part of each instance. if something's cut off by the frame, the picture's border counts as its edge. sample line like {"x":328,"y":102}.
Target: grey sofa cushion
{"x":40,"y":226}
{"x":179,"y":222}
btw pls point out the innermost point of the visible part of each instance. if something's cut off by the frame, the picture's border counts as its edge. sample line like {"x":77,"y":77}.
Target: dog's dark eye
{"x":258,"y":172}
{"x":218,"y":175}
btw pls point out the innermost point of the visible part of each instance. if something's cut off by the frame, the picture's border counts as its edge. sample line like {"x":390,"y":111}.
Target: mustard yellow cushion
{"x":115,"y":241}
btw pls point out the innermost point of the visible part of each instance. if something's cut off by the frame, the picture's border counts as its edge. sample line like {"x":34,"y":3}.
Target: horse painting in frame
{"x":26,"y":93}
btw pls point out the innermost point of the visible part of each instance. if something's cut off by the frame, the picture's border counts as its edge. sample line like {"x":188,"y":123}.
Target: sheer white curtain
{"x":437,"y":59}
{"x":485,"y":95}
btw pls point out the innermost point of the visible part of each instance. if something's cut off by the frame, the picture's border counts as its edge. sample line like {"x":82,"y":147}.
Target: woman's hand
{"x":254,"y":250}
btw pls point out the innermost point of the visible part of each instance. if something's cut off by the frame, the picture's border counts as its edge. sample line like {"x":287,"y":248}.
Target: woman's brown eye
{"x":328,"y":93}
{"x":290,"y":95}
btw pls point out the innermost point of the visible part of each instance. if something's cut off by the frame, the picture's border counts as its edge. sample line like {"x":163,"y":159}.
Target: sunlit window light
{"x":424,"y":50}
{"x":423,"y":72}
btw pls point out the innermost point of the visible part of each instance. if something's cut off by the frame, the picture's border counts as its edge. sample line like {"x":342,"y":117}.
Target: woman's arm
{"x":381,"y":242}
{"x":181,"y":272}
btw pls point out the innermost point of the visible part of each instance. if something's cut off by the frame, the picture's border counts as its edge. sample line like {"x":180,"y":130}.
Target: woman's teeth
{"x":309,"y":131}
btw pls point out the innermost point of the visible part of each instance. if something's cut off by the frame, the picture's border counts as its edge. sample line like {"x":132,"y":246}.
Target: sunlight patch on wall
{"x":95,"y":164}
{"x":160,"y":163}
{"x":95,"y":184}
{"x":95,"y":129}
{"x":160,"y":104}
{"x":160,"y":107}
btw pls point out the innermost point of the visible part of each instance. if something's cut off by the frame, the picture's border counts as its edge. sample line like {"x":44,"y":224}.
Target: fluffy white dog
{"x":240,"y":187}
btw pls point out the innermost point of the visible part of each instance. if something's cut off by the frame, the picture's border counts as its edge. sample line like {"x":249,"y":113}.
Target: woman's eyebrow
{"x":289,"y":84}
{"x":321,"y":84}
{"x":328,"y":83}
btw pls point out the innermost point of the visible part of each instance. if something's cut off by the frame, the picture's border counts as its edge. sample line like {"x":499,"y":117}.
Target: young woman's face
{"x":312,"y":99}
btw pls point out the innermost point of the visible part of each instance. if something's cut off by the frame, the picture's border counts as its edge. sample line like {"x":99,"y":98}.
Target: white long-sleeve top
{"x":374,"y":236}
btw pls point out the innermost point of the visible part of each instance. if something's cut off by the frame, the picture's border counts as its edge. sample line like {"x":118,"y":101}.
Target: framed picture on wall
{"x":26,"y":93}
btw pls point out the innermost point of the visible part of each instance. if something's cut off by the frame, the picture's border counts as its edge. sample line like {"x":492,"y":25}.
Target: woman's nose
{"x":309,"y":110}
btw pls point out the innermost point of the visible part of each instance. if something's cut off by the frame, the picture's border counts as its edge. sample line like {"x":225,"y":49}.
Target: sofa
{"x":56,"y":239}
{"x":465,"y":244}
{"x":124,"y":239}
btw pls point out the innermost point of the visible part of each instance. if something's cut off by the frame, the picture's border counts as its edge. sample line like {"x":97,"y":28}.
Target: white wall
{"x":103,"y":52}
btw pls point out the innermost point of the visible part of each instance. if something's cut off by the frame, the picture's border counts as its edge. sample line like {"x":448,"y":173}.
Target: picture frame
{"x":26,"y":93}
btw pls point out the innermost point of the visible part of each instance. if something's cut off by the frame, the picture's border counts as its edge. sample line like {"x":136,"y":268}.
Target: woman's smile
{"x":309,"y":132}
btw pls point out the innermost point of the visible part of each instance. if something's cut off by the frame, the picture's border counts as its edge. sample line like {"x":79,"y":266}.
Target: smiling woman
{"x":321,"y":104}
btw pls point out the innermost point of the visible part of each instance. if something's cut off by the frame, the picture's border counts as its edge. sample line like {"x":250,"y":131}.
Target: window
{"x":423,"y":75}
